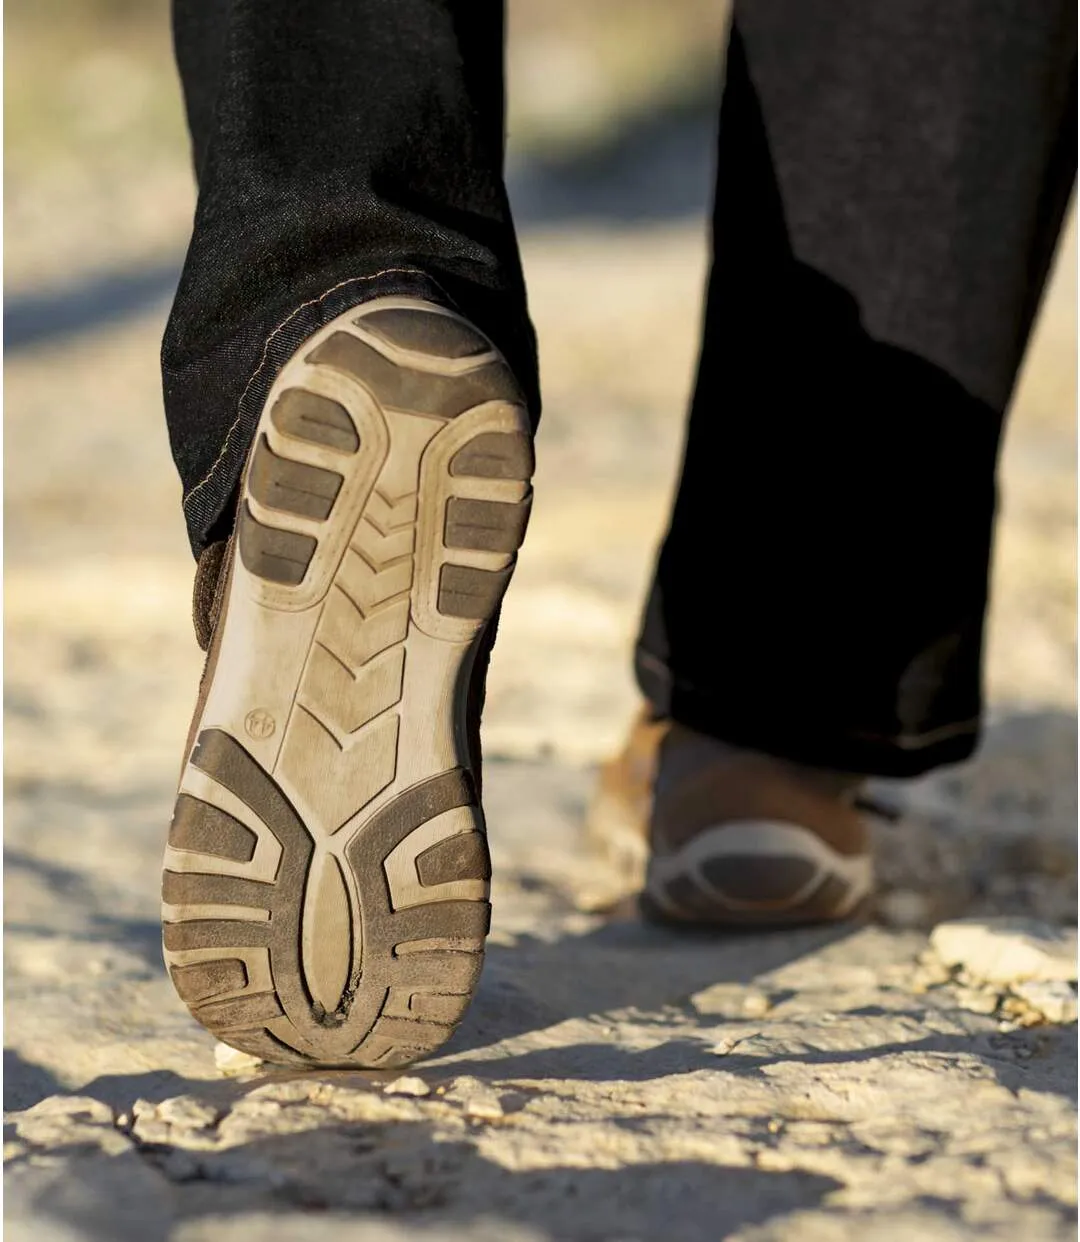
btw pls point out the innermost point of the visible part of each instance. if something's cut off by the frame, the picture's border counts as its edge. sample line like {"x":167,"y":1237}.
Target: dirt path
{"x":612,"y":1082}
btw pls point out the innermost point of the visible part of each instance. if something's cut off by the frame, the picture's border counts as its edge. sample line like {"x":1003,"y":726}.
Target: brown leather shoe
{"x":712,"y":834}
{"x":326,"y":876}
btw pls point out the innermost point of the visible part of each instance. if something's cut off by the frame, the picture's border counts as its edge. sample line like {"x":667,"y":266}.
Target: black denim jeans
{"x":891,"y":182}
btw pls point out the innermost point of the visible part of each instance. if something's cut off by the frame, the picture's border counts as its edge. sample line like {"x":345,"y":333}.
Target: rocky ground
{"x":612,"y":1082}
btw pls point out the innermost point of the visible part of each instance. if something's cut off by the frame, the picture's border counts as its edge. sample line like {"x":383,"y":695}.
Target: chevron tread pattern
{"x":325,"y":901}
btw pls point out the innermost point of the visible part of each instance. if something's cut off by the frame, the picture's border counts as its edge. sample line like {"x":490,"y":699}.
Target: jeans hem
{"x":899,"y":754}
{"x":206,"y":504}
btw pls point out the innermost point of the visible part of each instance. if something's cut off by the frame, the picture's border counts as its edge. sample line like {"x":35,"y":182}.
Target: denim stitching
{"x":388,"y":271}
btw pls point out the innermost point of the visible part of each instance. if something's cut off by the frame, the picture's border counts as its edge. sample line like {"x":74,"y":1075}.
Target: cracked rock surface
{"x":612,"y":1081}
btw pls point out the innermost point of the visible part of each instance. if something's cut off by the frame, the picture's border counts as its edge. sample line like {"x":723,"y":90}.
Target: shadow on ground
{"x":91,"y":301}
{"x":624,"y":965}
{"x":99,"y":924}
{"x":355,"y":1175}
{"x":329,"y":1173}
{"x":367,"y":1171}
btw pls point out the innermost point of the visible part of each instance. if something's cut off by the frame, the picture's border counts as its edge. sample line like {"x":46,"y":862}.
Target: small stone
{"x":724,"y":1046}
{"x":409,"y":1085}
{"x":286,"y":1090}
{"x":1006,"y":950}
{"x":233,"y":1061}
{"x":756,"y":1004}
{"x":478,"y":1100}
{"x":187,"y":1113}
{"x":484,"y":1107}
{"x":1054,"y":1000}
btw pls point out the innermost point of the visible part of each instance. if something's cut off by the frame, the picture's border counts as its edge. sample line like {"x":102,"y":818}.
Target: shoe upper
{"x":718,"y":834}
{"x":209,"y":591}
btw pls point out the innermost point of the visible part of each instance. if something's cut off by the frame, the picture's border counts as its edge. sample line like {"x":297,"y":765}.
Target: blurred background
{"x":612,"y":106}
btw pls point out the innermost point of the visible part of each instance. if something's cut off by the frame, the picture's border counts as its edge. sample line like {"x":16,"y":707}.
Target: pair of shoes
{"x":325,"y":895}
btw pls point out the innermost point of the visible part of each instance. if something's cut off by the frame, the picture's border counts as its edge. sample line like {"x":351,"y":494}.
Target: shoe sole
{"x":756,"y":873}
{"x":325,"y":897}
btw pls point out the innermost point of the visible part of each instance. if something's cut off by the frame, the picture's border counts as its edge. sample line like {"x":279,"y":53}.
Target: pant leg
{"x":344,"y":149}
{"x":891,"y":182}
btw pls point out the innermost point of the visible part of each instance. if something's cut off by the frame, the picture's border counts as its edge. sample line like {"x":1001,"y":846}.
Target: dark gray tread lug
{"x":485,"y":525}
{"x":415,"y":806}
{"x":215,"y":934}
{"x":418,"y":392}
{"x":438,"y":972}
{"x":469,"y":593}
{"x":204,"y":829}
{"x":412,"y":1033}
{"x":425,"y":332}
{"x":308,"y":416}
{"x":222,"y":757}
{"x":276,"y":555}
{"x":460,"y":857}
{"x":201,"y":981}
{"x":240,"y":1011}
{"x":495,"y":455}
{"x":466,"y":920}
{"x":184,"y":887}
{"x":292,"y":486}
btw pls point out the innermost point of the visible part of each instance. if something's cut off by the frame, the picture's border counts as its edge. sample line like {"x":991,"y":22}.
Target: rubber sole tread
{"x":326,"y":880}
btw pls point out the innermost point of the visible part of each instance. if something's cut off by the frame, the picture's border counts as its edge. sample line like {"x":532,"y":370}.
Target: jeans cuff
{"x":207,"y":509}
{"x":826,"y":745}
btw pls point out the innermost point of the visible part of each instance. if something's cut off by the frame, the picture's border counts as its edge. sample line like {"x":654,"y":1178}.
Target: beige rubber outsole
{"x":326,"y":878}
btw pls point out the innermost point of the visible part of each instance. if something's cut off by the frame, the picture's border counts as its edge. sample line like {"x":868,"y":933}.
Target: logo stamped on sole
{"x":259,"y":724}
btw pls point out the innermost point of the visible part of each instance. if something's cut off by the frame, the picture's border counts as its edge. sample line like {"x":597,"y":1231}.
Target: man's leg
{"x":344,"y":149}
{"x":350,"y":303}
{"x":891,"y":182}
